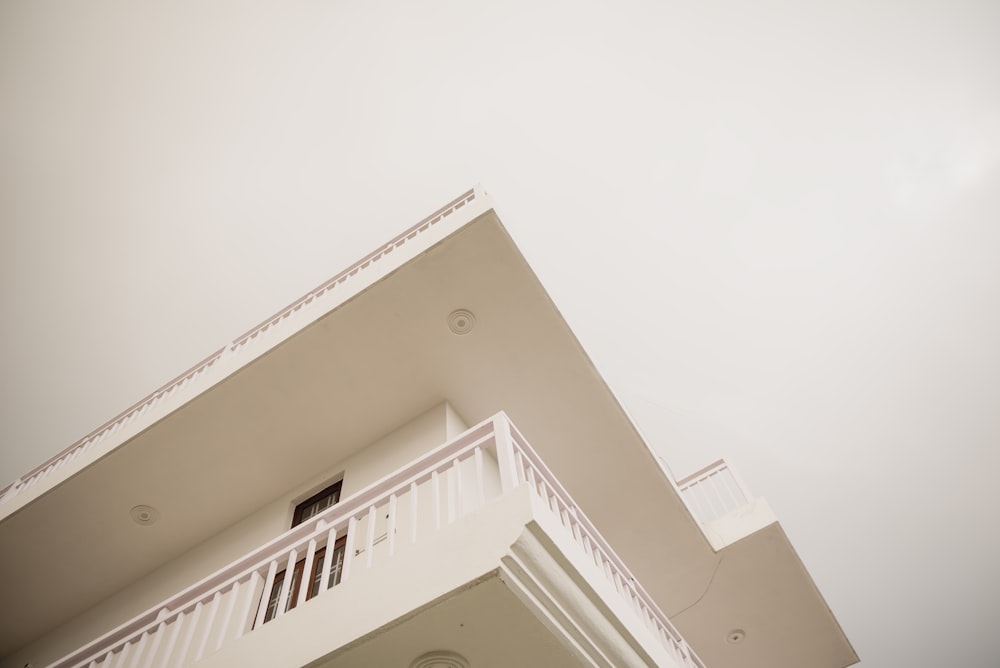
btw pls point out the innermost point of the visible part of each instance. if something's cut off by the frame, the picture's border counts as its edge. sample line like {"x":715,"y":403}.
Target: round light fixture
{"x":461,"y":321}
{"x":440,"y":659}
{"x":144,"y":515}
{"x":735,"y":636}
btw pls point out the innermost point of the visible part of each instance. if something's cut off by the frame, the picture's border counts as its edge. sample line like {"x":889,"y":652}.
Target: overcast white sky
{"x":774,"y":225}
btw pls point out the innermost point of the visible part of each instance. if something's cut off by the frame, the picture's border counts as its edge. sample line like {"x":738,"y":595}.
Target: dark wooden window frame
{"x":300,"y":509}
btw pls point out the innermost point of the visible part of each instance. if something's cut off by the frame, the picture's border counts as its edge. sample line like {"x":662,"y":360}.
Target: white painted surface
{"x":385,"y":455}
{"x":734,"y":525}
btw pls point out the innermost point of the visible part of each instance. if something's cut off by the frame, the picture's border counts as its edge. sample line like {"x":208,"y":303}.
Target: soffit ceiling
{"x":467,"y":624}
{"x":761,"y":588}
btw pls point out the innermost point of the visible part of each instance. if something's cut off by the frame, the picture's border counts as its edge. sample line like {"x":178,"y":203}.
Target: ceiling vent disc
{"x":461,"y":321}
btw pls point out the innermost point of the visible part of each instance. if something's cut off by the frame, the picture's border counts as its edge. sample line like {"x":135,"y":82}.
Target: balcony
{"x":722,"y":504}
{"x":475,"y":526}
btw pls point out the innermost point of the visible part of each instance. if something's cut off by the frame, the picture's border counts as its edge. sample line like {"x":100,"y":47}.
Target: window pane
{"x":292,"y":589}
{"x":336,"y":565}
{"x":272,"y":601}
{"x":317,"y":574}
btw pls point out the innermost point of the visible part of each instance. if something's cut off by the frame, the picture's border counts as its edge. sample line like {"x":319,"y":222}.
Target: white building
{"x":429,"y":415}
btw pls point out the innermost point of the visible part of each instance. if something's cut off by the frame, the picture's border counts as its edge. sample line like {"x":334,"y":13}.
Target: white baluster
{"x":175,"y":630}
{"x":744,"y":491}
{"x":601,"y":561}
{"x":459,"y":495}
{"x":739,"y":498}
{"x":505,"y":453}
{"x":370,"y":539}
{"x":563,"y":513}
{"x":576,"y":525}
{"x":272,"y":571}
{"x":451,"y":482}
{"x":715,"y":490}
{"x":413,"y":512}
{"x":286,"y":583}
{"x":244,"y":618}
{"x":331,"y":540}
{"x":532,"y":483}
{"x":306,"y":581}
{"x":213,"y":610}
{"x":352,"y":531}
{"x":732,"y":488}
{"x":15,"y":488}
{"x":712,"y":495}
{"x":618,"y":582}
{"x":189,"y":632}
{"x":436,"y":494}
{"x":588,"y":545}
{"x":694,"y":497}
{"x":123,"y":655}
{"x":391,"y":526}
{"x":132,"y":659}
{"x":477,"y":455}
{"x":157,"y":635}
{"x":227,"y":616}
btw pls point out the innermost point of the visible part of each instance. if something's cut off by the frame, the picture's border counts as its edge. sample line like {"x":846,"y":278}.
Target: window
{"x":316,"y":503}
{"x":315,"y":577}
{"x":306,"y":510}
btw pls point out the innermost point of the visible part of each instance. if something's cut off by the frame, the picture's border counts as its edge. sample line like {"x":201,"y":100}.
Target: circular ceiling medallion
{"x":461,"y":321}
{"x":440,"y":659}
{"x":735,"y":636}
{"x":144,"y":515}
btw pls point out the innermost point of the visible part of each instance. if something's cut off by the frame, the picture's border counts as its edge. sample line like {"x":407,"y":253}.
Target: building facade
{"x":415,"y":464}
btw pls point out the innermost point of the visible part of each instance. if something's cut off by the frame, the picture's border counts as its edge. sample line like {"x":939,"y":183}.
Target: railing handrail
{"x":717,"y":465}
{"x":14,"y":486}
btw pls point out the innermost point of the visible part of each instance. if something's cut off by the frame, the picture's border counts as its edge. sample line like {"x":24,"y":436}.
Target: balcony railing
{"x":140,"y":408}
{"x":713,"y":492}
{"x":448,"y":482}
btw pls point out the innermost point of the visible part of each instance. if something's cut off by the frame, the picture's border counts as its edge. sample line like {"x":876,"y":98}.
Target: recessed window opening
{"x":316,"y":503}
